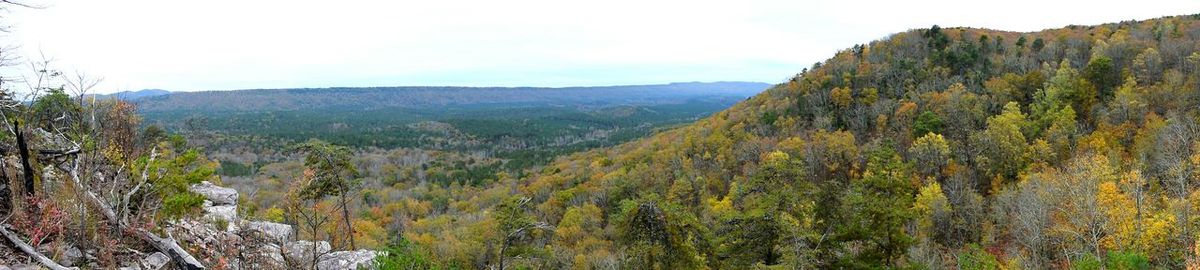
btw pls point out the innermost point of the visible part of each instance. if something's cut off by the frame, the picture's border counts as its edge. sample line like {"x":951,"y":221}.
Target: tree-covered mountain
{"x":372,"y":98}
{"x":135,"y":95}
{"x":933,"y":148}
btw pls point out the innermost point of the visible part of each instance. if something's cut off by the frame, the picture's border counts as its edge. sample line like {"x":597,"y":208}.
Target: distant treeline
{"x":369,"y":98}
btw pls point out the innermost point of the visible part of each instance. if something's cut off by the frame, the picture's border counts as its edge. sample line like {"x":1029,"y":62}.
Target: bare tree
{"x":1083,"y":211}
{"x":1170,"y":163}
{"x":305,"y":215}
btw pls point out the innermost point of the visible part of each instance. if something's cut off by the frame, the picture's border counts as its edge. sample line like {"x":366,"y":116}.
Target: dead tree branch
{"x":145,"y":179}
{"x":166,"y":245}
{"x":29,"y":250}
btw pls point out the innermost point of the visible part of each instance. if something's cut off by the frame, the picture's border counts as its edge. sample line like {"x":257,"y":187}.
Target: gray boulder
{"x":69,"y":255}
{"x":266,"y":256}
{"x":302,"y":252}
{"x":269,"y":232}
{"x":217,"y":194}
{"x":155,"y":261}
{"x":220,"y":212}
{"x":347,"y":260}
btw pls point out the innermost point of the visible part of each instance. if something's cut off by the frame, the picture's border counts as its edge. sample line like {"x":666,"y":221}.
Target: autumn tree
{"x":517,"y":228}
{"x":1172,"y":163}
{"x":1065,"y":91}
{"x":930,"y":153}
{"x":1080,"y":220}
{"x":1001,"y":151}
{"x":1147,"y":66}
{"x":121,"y":120}
{"x":1134,"y":226}
{"x":579,"y":231}
{"x":931,"y":210}
{"x":332,"y":175}
{"x":1127,"y":104}
{"x":841,"y":97}
{"x":831,"y":155}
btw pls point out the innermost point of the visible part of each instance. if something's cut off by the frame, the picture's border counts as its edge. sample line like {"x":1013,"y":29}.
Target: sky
{"x":245,"y":44}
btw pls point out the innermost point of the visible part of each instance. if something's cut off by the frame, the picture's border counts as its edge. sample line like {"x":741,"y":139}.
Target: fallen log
{"x":170,"y":247}
{"x":29,"y":250}
{"x":53,"y":153}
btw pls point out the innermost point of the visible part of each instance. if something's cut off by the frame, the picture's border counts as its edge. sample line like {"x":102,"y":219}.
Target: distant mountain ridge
{"x":134,"y":95}
{"x":366,"y":98}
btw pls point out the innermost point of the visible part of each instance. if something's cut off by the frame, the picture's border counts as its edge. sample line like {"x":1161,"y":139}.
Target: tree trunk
{"x":5,"y":188}
{"x":346,"y":217}
{"x":502,"y":250}
{"x":24,"y":151}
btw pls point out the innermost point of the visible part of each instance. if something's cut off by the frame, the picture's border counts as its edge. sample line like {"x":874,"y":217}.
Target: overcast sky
{"x":239,"y":44}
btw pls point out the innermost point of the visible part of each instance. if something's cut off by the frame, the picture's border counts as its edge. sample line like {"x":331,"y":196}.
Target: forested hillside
{"x":932,"y":148}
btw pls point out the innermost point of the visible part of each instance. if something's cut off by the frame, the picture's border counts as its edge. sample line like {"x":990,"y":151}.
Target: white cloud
{"x":227,"y":44}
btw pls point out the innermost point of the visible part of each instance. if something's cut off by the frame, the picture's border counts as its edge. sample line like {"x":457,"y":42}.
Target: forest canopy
{"x":932,"y":148}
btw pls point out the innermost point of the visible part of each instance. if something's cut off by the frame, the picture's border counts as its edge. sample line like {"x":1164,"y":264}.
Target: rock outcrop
{"x":221,"y":240}
{"x":347,"y":260}
{"x":268,"y":232}
{"x":259,"y":244}
{"x":217,"y":194}
{"x":304,"y":251}
{"x":220,"y":203}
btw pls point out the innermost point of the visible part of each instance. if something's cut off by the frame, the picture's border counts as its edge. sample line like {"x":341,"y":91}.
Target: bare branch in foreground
{"x":16,"y":241}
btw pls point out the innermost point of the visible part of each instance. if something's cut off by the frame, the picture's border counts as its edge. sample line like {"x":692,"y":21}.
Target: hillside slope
{"x":938,"y":148}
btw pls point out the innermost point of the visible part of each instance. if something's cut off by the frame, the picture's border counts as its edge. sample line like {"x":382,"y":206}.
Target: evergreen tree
{"x":770,"y":204}
{"x":876,"y":210}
